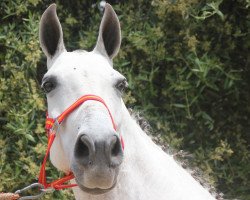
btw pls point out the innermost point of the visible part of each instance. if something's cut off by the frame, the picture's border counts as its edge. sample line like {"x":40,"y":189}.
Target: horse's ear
{"x":109,"y":39}
{"x":50,"y":34}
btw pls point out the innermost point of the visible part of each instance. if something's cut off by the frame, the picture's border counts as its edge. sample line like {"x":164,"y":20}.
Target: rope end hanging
{"x":9,"y":196}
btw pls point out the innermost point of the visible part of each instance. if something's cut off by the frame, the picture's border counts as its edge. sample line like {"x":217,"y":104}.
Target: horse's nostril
{"x":84,"y":149}
{"x":115,"y":152}
{"x":115,"y":146}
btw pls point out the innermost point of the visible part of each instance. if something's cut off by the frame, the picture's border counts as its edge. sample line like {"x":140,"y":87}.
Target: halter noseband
{"x":51,"y":131}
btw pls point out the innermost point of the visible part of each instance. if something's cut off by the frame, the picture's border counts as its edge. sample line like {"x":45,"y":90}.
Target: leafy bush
{"x":187,"y":64}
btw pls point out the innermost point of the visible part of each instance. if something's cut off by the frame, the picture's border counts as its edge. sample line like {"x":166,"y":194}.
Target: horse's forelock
{"x":80,"y":51}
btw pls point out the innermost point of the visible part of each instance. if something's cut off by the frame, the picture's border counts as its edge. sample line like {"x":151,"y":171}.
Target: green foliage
{"x":187,"y":64}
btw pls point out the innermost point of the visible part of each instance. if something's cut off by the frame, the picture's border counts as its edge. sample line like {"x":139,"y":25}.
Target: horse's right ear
{"x":109,"y":39}
{"x":50,"y":34}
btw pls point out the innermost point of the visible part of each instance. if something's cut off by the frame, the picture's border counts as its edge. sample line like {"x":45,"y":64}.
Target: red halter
{"x":50,"y":123}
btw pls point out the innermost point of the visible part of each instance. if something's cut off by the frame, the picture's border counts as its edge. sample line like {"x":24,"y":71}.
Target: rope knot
{"x":9,"y":196}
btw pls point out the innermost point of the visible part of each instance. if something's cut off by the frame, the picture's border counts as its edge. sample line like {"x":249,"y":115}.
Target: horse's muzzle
{"x":96,"y":161}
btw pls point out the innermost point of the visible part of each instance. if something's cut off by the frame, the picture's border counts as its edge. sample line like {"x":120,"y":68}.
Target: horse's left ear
{"x":50,"y":34}
{"x":109,"y":39}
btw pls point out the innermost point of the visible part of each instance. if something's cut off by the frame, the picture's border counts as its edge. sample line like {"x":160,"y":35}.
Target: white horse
{"x":87,"y":144}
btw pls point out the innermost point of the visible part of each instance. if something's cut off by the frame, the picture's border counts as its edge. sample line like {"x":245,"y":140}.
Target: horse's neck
{"x":147,"y":172}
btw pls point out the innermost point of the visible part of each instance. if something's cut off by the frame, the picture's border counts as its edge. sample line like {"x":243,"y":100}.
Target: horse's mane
{"x":181,"y":157}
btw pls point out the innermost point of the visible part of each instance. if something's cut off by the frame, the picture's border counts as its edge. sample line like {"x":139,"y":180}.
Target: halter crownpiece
{"x":51,"y":131}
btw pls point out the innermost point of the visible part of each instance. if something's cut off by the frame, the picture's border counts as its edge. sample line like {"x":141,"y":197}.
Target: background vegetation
{"x":187,"y":63}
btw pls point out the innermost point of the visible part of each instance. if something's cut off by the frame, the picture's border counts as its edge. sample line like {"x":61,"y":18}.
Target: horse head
{"x":87,"y":143}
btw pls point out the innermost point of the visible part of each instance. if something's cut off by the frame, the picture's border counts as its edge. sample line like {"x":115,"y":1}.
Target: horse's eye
{"x":48,"y":86}
{"x":121,"y":85}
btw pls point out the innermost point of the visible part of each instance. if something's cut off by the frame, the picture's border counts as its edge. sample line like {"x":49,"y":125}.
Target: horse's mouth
{"x":94,"y":191}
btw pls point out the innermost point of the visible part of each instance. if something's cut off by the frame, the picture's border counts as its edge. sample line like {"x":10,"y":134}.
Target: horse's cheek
{"x":58,"y":157}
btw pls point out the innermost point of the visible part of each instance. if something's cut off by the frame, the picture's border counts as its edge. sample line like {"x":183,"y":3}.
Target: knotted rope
{"x":9,"y":196}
